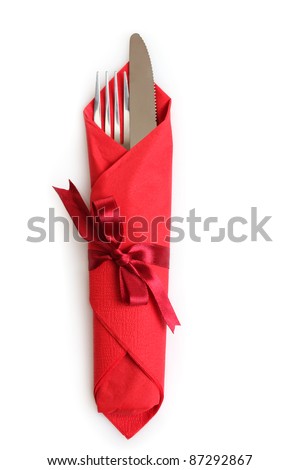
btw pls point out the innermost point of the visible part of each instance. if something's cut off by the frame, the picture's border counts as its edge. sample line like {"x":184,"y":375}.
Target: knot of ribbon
{"x":103,"y":229}
{"x":120,"y":258}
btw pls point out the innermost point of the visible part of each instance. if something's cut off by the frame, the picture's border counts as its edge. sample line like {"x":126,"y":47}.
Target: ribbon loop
{"x":103,"y":228}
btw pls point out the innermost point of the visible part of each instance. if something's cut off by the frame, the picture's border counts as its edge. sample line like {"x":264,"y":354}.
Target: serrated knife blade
{"x":142,"y":105}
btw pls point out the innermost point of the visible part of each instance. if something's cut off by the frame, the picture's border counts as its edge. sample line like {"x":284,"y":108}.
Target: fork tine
{"x":116,"y":110}
{"x":126,"y":113}
{"x":97,"y":103}
{"x":107,"y":126}
{"x":107,"y":111}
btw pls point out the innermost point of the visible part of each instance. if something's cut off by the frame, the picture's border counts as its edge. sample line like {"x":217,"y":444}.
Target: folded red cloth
{"x":129,"y":295}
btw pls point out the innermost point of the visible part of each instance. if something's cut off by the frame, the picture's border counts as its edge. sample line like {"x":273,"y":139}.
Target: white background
{"x":232,"y":376}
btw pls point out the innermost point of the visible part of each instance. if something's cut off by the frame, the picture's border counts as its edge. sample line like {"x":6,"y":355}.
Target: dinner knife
{"x":142,"y":105}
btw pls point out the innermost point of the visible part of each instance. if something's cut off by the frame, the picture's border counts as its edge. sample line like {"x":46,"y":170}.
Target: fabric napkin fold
{"x":128,"y":280}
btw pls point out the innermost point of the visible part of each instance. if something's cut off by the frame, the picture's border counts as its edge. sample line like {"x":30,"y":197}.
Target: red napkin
{"x":128,"y":280}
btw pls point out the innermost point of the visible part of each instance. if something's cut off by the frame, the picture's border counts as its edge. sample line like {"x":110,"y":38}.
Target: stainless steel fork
{"x":107,"y":127}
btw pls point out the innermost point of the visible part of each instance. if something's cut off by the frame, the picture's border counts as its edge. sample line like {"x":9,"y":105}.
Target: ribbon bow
{"x":103,"y":228}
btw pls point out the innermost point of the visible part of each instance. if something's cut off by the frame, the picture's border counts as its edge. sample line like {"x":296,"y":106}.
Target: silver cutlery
{"x":142,"y":102}
{"x":141,"y":119}
{"x":97,"y":103}
{"x":106,"y":126}
{"x":117,"y":129}
{"x":126,"y":126}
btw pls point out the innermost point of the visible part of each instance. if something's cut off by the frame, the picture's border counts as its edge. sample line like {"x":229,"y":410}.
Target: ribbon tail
{"x":133,"y":289}
{"x":162,"y":300}
{"x":77,"y":209}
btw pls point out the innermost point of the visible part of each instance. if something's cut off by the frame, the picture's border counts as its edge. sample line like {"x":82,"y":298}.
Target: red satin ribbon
{"x":135,"y":274}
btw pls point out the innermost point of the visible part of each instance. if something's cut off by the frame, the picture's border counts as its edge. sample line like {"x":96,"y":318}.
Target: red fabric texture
{"x":130,"y":340}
